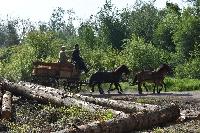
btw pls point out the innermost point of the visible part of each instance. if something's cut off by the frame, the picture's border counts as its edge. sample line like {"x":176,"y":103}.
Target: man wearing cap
{"x":62,"y":55}
{"x":79,"y":63}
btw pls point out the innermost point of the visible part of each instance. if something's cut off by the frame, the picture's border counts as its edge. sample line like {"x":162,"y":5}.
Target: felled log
{"x":47,"y":95}
{"x":125,"y":106}
{"x":6,"y":110}
{"x":1,"y":93}
{"x":131,"y":122}
{"x":188,"y":115}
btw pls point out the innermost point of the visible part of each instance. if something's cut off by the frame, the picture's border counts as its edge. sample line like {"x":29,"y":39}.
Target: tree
{"x":59,"y":25}
{"x":12,"y":36}
{"x":87,"y":35}
{"x":163,"y":35}
{"x":8,"y":33}
{"x":187,"y":37}
{"x":143,"y":19}
{"x":111,"y":31}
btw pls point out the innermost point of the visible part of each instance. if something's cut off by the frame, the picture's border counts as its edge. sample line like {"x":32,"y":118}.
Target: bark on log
{"x":6,"y":105}
{"x":125,"y":106}
{"x":132,"y":122}
{"x":1,"y":93}
{"x":47,"y":95}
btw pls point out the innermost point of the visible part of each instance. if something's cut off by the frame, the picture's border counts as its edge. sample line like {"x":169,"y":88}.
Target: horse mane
{"x":119,"y":68}
{"x":161,"y":67}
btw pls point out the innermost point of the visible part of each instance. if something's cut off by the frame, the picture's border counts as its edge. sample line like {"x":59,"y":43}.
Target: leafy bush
{"x":189,"y":69}
{"x":19,"y":64}
{"x":175,"y":84}
{"x":140,"y":55}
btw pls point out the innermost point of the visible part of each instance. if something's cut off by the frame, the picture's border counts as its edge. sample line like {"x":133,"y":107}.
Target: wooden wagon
{"x":56,"y":75}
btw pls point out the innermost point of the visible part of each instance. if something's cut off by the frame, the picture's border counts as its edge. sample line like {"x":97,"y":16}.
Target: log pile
{"x":47,"y":95}
{"x":135,"y":116}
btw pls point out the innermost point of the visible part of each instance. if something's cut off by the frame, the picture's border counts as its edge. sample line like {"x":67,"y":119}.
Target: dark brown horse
{"x":108,"y":77}
{"x":157,"y":77}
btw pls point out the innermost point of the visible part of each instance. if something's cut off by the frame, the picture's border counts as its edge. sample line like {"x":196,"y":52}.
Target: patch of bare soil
{"x":189,"y":103}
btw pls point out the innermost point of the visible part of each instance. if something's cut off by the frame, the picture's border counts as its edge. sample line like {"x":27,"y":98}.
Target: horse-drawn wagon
{"x":57,"y":74}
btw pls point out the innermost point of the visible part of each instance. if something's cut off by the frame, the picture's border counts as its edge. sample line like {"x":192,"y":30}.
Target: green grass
{"x":172,"y":84}
{"x":182,"y":84}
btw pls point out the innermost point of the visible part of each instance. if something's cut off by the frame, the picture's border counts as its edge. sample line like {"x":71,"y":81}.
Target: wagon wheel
{"x":54,"y":82}
{"x":34,"y":79}
{"x":72,"y":86}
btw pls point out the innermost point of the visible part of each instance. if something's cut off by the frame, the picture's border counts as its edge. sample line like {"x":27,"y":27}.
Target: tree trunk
{"x":45,"y":95}
{"x":125,"y":106}
{"x":6,"y":106}
{"x":131,"y":122}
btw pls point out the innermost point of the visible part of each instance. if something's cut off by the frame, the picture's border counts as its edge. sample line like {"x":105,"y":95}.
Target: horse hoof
{"x":119,"y":92}
{"x":102,"y":92}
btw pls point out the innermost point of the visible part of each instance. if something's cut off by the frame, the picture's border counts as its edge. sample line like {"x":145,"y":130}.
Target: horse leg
{"x":164,"y":86}
{"x":119,"y":88}
{"x":145,"y":87}
{"x":100,"y":89}
{"x":158,"y":90}
{"x":154,"y":88}
{"x":92,"y":88}
{"x":110,"y":88}
{"x":139,"y":88}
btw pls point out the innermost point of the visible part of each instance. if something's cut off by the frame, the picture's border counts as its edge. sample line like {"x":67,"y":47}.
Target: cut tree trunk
{"x":132,"y":122}
{"x":47,"y":95}
{"x":6,"y":110}
{"x":125,"y":106}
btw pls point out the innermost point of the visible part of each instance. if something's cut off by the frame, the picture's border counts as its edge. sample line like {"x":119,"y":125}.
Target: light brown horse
{"x":157,"y":77}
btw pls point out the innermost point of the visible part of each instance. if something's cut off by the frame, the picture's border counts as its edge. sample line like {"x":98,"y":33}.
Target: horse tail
{"x":91,"y":81}
{"x":135,"y":79}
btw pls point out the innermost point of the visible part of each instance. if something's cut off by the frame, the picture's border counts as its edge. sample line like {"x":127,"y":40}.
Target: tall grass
{"x":172,"y":84}
{"x":175,"y":84}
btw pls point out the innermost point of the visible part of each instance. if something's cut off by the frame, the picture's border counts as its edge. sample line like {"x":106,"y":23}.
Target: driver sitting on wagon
{"x":79,"y":63}
{"x":63,"y":56}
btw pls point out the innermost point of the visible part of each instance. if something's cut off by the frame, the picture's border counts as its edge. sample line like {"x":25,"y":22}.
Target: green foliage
{"x":111,"y":30}
{"x":142,"y":20}
{"x":102,"y":59}
{"x":41,"y":42}
{"x":189,"y":69}
{"x":163,"y":35}
{"x":140,"y":55}
{"x":141,"y":37}
{"x":87,"y":35}
{"x":176,"y":84}
{"x":19,"y":64}
{"x":187,"y":35}
{"x":8,"y":33}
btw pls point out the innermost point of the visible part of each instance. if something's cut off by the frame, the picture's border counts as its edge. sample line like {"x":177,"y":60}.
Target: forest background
{"x":141,"y":37}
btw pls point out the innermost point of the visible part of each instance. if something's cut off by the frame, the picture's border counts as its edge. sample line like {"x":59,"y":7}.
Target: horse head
{"x":166,"y":68}
{"x":123,"y":69}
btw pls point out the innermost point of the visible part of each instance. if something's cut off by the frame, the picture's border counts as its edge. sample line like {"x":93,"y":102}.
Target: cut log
{"x":47,"y":95}
{"x":125,"y":106}
{"x":6,"y":106}
{"x":132,"y":122}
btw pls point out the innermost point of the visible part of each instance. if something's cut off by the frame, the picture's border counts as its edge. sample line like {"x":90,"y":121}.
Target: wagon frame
{"x":57,"y":74}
